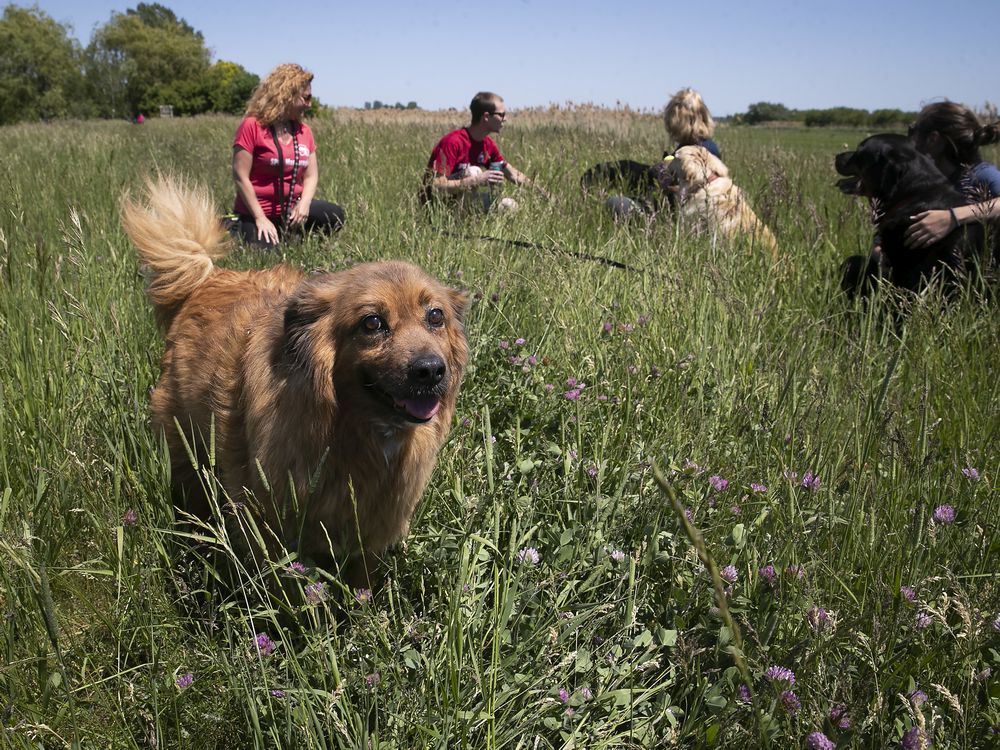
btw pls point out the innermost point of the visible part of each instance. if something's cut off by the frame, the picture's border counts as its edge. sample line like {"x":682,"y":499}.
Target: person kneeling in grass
{"x":466,"y":164}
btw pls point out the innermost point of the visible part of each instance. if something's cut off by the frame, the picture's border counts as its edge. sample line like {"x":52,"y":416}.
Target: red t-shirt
{"x":457,"y":149}
{"x":256,"y":139}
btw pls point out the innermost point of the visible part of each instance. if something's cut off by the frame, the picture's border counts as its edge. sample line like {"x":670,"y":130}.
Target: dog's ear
{"x":459,"y":303}
{"x":306,"y":345}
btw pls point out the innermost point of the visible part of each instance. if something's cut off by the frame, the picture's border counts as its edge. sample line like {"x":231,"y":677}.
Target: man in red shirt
{"x":467,"y":161}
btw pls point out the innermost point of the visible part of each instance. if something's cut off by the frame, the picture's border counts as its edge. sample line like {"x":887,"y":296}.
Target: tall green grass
{"x":706,"y":364}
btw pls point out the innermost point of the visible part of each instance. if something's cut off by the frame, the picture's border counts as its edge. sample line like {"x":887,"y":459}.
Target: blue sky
{"x":805,"y":54}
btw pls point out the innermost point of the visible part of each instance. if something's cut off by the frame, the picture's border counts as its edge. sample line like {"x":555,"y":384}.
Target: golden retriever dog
{"x":325,"y":398}
{"x":707,"y":194}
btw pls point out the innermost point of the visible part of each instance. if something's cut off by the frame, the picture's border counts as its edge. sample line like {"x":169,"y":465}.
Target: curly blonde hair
{"x":270,"y":101}
{"x":687,"y":119}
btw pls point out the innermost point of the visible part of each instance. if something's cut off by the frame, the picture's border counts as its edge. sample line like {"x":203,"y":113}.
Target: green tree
{"x":229,"y":87}
{"x":144,"y":58}
{"x":766,"y":112}
{"x":40,"y":67}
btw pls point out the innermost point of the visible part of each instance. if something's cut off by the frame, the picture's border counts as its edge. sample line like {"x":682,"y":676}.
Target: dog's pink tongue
{"x":423,"y":407}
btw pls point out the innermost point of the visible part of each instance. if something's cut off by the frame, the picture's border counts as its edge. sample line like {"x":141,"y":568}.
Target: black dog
{"x":644,"y":183}
{"x":902,"y":182}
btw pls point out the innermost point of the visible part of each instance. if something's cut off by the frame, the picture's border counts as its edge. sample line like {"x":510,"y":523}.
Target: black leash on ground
{"x":548,"y":248}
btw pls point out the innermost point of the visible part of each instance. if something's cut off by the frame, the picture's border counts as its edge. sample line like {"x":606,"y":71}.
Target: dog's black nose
{"x":427,"y":370}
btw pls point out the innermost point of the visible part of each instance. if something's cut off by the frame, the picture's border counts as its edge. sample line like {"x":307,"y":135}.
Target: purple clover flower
{"x":758,"y":487}
{"x":617,"y":555}
{"x":944,"y":515}
{"x":819,"y":741}
{"x":790,"y":702}
{"x":505,"y":345}
{"x":923,"y":620}
{"x":184,"y":681}
{"x":607,"y":328}
{"x":818,"y":618}
{"x":563,"y":695}
{"x":780,"y":674}
{"x":519,"y":341}
{"x":767,"y":573}
{"x":130,"y":518}
{"x":810,"y":481}
{"x":743,"y":695}
{"x":795,"y":571}
{"x":372,"y":680}
{"x":277,"y":693}
{"x":729,"y":574}
{"x":586,"y":693}
{"x":315,"y":592}
{"x":528,"y":556}
{"x":297,"y":567}
{"x":971,"y":473}
{"x":264,"y":645}
{"x":914,"y":739}
{"x":718,"y":483}
{"x":839,"y":717}
{"x":572,"y":395}
{"x":363,"y":595}
{"x":907,"y":593}
{"x":917,"y":697}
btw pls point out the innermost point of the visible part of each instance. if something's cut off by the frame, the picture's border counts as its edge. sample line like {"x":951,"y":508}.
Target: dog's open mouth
{"x":419,"y":408}
{"x":415,"y":407}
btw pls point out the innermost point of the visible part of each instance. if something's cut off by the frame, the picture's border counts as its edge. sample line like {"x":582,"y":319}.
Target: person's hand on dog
{"x":266,"y":230}
{"x":929,"y":227}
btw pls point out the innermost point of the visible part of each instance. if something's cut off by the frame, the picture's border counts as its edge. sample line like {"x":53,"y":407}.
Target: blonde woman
{"x":274,"y":162}
{"x":689,"y":123}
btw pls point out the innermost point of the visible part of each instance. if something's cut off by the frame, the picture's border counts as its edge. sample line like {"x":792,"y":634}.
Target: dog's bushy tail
{"x":177,"y":233}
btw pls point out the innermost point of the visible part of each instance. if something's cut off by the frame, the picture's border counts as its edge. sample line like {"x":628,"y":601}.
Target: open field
{"x":812,"y":445}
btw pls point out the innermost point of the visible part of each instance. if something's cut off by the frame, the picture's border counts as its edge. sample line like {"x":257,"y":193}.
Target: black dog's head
{"x":889,"y":167}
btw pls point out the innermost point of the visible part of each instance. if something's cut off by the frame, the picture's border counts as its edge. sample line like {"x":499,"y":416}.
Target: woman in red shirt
{"x":274,"y":162}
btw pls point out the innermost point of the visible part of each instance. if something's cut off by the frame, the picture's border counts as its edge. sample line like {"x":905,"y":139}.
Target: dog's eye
{"x":435,"y":317}
{"x":374,"y":323}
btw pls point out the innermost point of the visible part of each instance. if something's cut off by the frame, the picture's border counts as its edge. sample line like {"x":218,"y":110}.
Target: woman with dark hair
{"x":951,"y":135}
{"x":274,"y":162}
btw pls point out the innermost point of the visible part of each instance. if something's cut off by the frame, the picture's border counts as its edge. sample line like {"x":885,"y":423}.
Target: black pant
{"x":323,"y":217}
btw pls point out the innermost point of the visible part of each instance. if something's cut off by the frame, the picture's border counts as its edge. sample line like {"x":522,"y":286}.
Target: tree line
{"x":138,"y":61}
{"x":763,"y":112}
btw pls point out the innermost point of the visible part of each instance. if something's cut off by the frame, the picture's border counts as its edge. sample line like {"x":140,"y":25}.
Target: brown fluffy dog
{"x":327,"y":397}
{"x":707,"y":194}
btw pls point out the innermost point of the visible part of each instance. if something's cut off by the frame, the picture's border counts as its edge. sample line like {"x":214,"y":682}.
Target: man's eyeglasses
{"x":501,"y":115}
{"x":307,"y":98}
